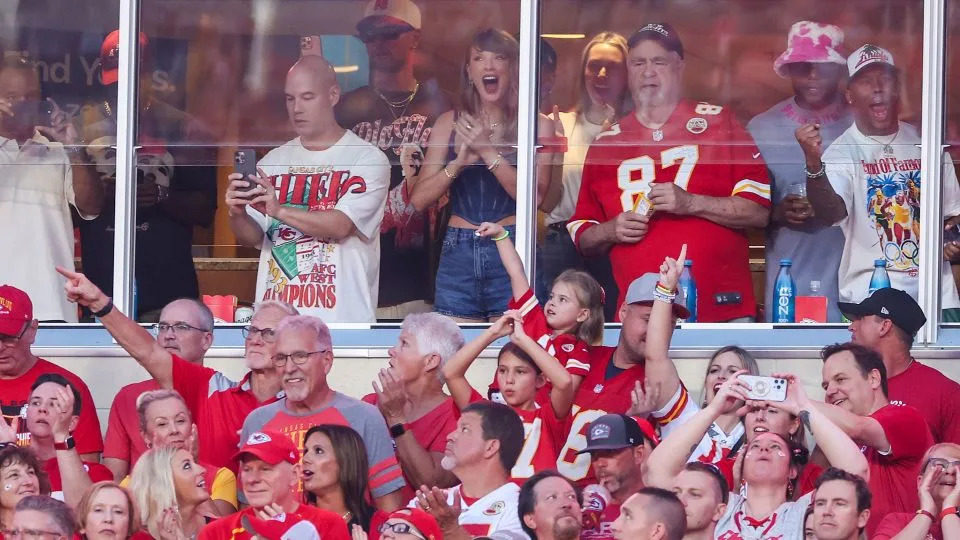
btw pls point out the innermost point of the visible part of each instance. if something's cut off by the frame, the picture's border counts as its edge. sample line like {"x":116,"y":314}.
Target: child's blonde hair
{"x":591,"y":296}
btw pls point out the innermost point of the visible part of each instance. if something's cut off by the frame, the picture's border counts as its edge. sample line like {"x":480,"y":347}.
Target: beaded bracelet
{"x":664,"y":289}
{"x":502,"y":236}
{"x":665,"y":298}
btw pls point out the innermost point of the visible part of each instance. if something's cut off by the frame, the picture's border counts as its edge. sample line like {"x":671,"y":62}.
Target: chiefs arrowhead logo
{"x":258,"y":438}
{"x":567,"y":347}
{"x":495,"y":508}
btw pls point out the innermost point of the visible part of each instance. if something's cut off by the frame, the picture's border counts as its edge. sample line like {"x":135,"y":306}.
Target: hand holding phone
{"x":765,"y":388}
{"x":245,"y":163}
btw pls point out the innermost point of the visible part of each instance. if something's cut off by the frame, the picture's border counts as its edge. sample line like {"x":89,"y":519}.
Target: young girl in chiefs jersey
{"x":522,"y":368}
{"x":569,"y":323}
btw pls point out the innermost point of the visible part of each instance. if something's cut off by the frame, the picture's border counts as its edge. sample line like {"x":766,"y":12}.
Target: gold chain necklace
{"x":405,"y":102}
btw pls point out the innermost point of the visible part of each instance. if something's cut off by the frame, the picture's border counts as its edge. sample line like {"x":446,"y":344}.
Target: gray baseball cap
{"x":641,"y":292}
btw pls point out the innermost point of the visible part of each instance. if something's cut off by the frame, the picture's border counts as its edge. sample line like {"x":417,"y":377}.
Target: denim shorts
{"x":471,"y":280}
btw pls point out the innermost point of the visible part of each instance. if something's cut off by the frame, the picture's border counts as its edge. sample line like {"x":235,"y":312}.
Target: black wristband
{"x":106,"y":309}
{"x":397,"y":430}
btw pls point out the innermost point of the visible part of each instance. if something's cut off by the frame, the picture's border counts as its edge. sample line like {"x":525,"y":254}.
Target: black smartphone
{"x":245,"y":163}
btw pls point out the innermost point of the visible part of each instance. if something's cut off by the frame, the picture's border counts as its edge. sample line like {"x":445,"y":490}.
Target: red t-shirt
{"x":933,"y":394}
{"x":96,"y":472}
{"x":328,"y":525}
{"x":219,"y":407}
{"x":892,"y":524}
{"x":703,"y":150}
{"x":599,"y":527}
{"x":14,"y":394}
{"x":893,"y":477}
{"x":569,"y":350}
{"x":596,"y":397}
{"x":430,"y":430}
{"x":124,"y":440}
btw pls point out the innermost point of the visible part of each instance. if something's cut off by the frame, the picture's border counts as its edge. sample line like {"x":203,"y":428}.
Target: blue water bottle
{"x":689,"y":288}
{"x":136,"y":301}
{"x":785,"y":294}
{"x":879,"y":279}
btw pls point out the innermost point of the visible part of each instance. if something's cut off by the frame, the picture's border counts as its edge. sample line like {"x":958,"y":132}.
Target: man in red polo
{"x":218,"y":404}
{"x":19,"y":368}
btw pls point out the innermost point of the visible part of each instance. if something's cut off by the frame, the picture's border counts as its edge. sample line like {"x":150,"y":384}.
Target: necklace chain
{"x":405,"y":102}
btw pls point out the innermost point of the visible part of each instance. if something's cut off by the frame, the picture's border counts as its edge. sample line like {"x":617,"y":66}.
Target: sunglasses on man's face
{"x":382,"y":33}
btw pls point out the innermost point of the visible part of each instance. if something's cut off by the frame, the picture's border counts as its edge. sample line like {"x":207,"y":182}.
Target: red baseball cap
{"x":424,"y":522}
{"x":271,"y":447}
{"x":110,"y":56}
{"x":281,"y":527}
{"x":16,"y":310}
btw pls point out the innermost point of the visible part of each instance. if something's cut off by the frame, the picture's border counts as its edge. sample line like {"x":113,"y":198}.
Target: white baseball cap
{"x":402,"y":10}
{"x":867,"y":56}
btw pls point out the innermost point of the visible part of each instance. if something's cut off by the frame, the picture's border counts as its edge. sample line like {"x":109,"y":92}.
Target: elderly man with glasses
{"x":304,"y":356}
{"x":218,"y":404}
{"x":19,"y":368}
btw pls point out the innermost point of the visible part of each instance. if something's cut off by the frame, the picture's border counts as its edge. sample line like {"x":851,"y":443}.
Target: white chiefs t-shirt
{"x":495,"y":512}
{"x":785,"y":523}
{"x":337,"y":282}
{"x":882,"y":195}
{"x":715,"y":445}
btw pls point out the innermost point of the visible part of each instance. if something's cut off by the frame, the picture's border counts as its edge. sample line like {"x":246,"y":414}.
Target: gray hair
{"x":57,"y":510}
{"x":145,"y":399}
{"x":435,"y":334}
{"x":282,"y":306}
{"x":309,"y":324}
{"x":203,"y":312}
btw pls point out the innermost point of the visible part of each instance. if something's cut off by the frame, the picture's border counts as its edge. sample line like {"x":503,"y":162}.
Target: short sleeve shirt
{"x":124,"y":440}
{"x":935,"y":395}
{"x":785,"y":523}
{"x":494,"y":512}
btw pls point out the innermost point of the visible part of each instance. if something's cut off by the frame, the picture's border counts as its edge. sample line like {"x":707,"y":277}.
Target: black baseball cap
{"x":618,"y":431}
{"x":889,"y":303}
{"x":662,"y":32}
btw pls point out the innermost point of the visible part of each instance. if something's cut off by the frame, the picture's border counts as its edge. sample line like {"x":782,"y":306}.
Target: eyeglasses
{"x":299,"y":358}
{"x":942,"y":463}
{"x":382,"y":33}
{"x":178,"y":328}
{"x":266,"y":334}
{"x":400,"y":527}
{"x":10,"y":341}
{"x":32,"y":533}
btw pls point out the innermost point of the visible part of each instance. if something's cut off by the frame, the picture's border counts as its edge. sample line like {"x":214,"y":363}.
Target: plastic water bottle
{"x":785,"y":294}
{"x":689,"y":288}
{"x":136,"y":300}
{"x":879,"y":279}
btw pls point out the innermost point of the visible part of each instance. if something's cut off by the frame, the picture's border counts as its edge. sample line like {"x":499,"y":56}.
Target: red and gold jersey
{"x":596,"y":397}
{"x":703,"y":150}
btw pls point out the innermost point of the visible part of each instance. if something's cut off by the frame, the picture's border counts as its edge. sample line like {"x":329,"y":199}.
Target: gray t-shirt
{"x":785,"y":523}
{"x":365,"y":419}
{"x":814,"y":250}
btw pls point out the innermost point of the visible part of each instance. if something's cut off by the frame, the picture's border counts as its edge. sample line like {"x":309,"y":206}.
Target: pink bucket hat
{"x":811,"y":42}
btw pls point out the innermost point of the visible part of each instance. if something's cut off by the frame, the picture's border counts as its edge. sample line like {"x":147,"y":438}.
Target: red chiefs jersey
{"x":596,"y":397}
{"x":703,"y":150}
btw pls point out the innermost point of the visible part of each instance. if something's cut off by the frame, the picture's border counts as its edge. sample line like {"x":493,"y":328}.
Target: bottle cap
{"x":880,"y":262}
{"x":785,"y":262}
{"x":688,"y":263}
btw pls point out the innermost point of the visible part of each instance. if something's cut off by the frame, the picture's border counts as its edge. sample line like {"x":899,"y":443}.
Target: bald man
{"x":315,"y":208}
{"x":186,"y":330}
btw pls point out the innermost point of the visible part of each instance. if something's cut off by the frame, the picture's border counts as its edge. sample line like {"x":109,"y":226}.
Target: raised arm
{"x":562,"y":388}
{"x":134,"y":339}
{"x":508,"y":255}
{"x":828,"y":207}
{"x":659,"y":368}
{"x":862,"y":429}
{"x":73,"y":476}
{"x":455,"y":370}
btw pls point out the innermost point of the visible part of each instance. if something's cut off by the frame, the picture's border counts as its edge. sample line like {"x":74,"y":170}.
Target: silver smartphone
{"x":765,"y":388}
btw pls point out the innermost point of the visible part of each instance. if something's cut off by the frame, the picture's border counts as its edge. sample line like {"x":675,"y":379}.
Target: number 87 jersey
{"x":703,"y":150}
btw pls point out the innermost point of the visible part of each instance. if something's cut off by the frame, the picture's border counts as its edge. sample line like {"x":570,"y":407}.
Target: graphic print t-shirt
{"x":336,"y":281}
{"x":882,"y":194}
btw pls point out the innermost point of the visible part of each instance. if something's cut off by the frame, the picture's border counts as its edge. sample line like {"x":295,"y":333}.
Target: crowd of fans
{"x":572,"y":439}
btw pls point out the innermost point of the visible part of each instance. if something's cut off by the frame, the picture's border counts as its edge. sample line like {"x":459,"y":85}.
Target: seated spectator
{"x":60,"y":177}
{"x":939,"y":494}
{"x":771,"y":506}
{"x":52,"y":415}
{"x":219,"y":405}
{"x":19,"y":368}
{"x":41,"y":516}
{"x":618,"y":446}
{"x":270,"y":473}
{"x":472,"y":156}
{"x":702,"y":181}
{"x":549,"y":507}
{"x":887,"y":322}
{"x":406,"y":521}
{"x":841,"y":506}
{"x":850,"y":184}
{"x":603,"y":99}
{"x":480,"y":452}
{"x":164,"y":420}
{"x":704,"y":493}
{"x":304,"y":355}
{"x":569,"y":322}
{"x":523,"y":367}
{"x":106,"y":512}
{"x":319,"y":247}
{"x":20,"y":469}
{"x":411,"y":398}
{"x":815,"y":70}
{"x":186,"y":330}
{"x":170,"y":489}
{"x":335,"y":474}
{"x":650,"y":514}
{"x":894,"y":436}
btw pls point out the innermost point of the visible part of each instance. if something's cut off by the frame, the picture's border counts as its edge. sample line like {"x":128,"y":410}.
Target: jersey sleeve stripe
{"x":575,"y":228}
{"x":383,"y":465}
{"x":529,"y":305}
{"x":573,"y":363}
{"x":385,"y":478}
{"x":672,"y":412}
{"x":753,"y":187}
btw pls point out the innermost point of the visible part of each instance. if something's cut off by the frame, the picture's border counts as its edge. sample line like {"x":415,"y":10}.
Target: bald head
{"x":311,"y":92}
{"x":315,"y":68}
{"x":186,"y":329}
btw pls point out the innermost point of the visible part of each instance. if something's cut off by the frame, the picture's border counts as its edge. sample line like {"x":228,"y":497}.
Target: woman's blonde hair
{"x":148,"y":398}
{"x":624,"y":103}
{"x":86,"y":503}
{"x":152,"y":485}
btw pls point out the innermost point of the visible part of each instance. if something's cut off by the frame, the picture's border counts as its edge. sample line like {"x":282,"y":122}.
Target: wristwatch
{"x":67,"y":444}
{"x":397,"y":430}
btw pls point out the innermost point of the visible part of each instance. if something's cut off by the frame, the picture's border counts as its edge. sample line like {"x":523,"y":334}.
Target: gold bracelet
{"x":446,"y":172}
{"x":496,"y":163}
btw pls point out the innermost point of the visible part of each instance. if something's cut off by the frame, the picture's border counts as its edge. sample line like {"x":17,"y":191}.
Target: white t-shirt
{"x":715,"y":444}
{"x":36,"y":232}
{"x":785,"y":523}
{"x":337,"y":282}
{"x":495,"y":512}
{"x":580,"y":133}
{"x":882,"y":195}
